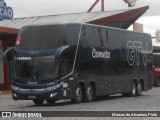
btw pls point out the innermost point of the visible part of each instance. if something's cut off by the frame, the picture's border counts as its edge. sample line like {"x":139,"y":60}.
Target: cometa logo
{"x":100,"y":54}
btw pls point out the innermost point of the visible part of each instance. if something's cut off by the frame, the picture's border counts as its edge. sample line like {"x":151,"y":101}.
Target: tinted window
{"x":34,"y":38}
{"x":36,"y":68}
{"x":115,"y":39}
{"x":90,"y":37}
{"x":71,"y":34}
{"x":104,"y":34}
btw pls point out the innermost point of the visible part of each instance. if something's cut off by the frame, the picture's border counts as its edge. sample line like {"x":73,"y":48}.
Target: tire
{"x":89,"y":94}
{"x":157,"y":82}
{"x":38,"y":102}
{"x":139,"y":89}
{"x":132,"y":91}
{"x":51,"y":102}
{"x":78,"y":95}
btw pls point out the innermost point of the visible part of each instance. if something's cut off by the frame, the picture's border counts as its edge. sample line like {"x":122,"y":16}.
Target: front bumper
{"x":40,"y":92}
{"x":50,"y":95}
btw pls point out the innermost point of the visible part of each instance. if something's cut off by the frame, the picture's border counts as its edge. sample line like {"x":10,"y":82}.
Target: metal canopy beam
{"x":95,"y":3}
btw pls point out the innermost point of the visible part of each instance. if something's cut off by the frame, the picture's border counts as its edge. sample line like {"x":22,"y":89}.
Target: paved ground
{"x":149,"y":101}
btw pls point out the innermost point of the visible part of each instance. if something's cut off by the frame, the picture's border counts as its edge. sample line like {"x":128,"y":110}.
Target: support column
{"x":5,"y":68}
{"x":102,"y":5}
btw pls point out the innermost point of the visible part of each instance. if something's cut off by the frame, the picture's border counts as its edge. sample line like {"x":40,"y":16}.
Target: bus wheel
{"x":89,"y":94}
{"x":78,"y":95}
{"x":139,"y":89}
{"x":132,"y":91}
{"x":157,"y":82}
{"x":38,"y":102}
{"x":51,"y":102}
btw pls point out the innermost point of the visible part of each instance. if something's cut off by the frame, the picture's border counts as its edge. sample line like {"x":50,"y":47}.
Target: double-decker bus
{"x":156,"y":69}
{"x":79,"y":62}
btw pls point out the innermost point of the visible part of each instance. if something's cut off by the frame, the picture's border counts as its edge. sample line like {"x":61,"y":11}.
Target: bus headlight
{"x":53,"y":94}
{"x":53,"y":87}
{"x":14,"y":88}
{"x":14,"y":95}
{"x":50,"y":88}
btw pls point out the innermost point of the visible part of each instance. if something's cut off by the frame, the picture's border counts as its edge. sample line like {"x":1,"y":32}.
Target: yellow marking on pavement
{"x":5,"y":92}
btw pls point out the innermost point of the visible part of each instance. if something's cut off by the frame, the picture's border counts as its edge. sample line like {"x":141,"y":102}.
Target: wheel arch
{"x":82,"y":84}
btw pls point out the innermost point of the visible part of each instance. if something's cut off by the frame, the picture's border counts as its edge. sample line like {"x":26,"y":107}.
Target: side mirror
{"x":8,"y":55}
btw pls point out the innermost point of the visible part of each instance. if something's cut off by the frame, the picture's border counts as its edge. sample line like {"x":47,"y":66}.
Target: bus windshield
{"x":40,"y":38}
{"x":35,"y":38}
{"x":36,"y":69}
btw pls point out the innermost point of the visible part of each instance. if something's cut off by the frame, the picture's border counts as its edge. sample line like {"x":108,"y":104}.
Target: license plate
{"x":32,"y":97}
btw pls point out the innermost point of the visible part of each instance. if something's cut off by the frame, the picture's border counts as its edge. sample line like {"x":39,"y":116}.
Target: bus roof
{"x":86,"y":24}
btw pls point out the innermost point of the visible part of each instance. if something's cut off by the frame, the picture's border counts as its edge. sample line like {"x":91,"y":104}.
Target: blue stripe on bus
{"x":35,"y":86}
{"x":35,"y":53}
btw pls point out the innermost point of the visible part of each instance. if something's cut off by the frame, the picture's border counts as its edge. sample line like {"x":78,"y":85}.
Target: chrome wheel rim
{"x":133,"y":89}
{"x":89,"y":92}
{"x":79,"y":92}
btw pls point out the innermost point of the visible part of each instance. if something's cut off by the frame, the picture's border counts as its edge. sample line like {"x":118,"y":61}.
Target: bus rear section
{"x":156,"y":69}
{"x":79,"y":62}
{"x":113,"y":61}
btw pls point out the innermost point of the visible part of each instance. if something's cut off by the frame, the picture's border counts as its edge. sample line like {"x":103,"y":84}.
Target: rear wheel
{"x":139,"y":89}
{"x":50,"y":101}
{"x":89,"y":93}
{"x":78,"y":95}
{"x":132,"y":91}
{"x":38,"y":102}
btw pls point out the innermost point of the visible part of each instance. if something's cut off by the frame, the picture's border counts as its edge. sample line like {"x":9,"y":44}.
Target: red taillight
{"x":157,"y":69}
{"x":18,"y":40}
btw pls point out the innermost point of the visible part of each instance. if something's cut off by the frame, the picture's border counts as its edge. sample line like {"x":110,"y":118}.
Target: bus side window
{"x":65,"y":67}
{"x":90,"y":37}
{"x":97,"y":38}
{"x":104,"y":34}
{"x":115,"y":38}
{"x":83,"y":42}
{"x":71,"y":34}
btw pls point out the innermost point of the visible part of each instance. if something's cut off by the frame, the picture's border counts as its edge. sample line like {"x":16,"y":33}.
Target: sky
{"x":28,"y":8}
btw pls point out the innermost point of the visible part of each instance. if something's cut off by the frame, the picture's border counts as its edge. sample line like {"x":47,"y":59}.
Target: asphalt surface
{"x":149,"y":101}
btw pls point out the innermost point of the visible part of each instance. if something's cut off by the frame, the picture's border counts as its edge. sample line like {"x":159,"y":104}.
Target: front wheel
{"x":78,"y":95}
{"x":38,"y":102}
{"x":132,"y":91}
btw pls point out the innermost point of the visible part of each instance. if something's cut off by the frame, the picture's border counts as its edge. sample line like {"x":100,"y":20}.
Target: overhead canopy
{"x":119,"y":18}
{"x":8,"y":33}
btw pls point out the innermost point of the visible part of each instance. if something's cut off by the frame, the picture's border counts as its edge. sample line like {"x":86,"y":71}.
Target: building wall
{"x":1,"y":65}
{"x":138,"y":27}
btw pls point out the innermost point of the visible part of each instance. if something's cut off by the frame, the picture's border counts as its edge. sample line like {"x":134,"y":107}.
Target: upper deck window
{"x":90,"y":37}
{"x":35,"y":38}
{"x":71,"y":34}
